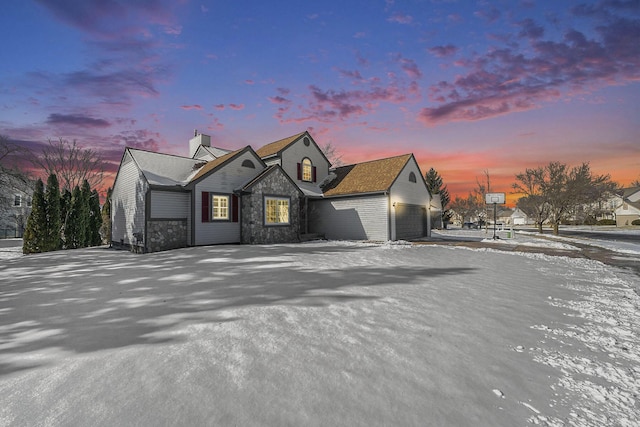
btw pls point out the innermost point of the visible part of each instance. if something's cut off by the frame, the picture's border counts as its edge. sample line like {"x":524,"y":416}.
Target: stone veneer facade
{"x":254,"y":229}
{"x":163,"y":235}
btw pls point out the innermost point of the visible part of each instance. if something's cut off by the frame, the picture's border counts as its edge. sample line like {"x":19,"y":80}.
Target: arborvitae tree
{"x":95,"y":219}
{"x":33,"y":238}
{"x":74,"y":227}
{"x":84,"y":214}
{"x":65,"y":205}
{"x":52,"y":212}
{"x":434,"y":184}
{"x":105,"y":230}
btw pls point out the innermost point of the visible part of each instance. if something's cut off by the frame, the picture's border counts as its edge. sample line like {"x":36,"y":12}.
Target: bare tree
{"x":562,"y":190}
{"x":71,"y":163}
{"x":533,"y":202}
{"x":332,"y":154}
{"x":482,"y":188}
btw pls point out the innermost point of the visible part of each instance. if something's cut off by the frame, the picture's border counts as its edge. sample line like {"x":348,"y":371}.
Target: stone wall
{"x":163,"y":235}
{"x":254,"y":230}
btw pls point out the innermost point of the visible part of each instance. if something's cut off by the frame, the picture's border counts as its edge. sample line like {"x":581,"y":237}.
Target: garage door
{"x":410,"y":221}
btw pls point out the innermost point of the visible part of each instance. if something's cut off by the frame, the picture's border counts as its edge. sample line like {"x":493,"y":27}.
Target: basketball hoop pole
{"x":494,"y":220}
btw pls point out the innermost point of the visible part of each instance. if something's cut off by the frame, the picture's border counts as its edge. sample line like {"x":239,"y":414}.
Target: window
{"x":17,"y":201}
{"x":412,"y":177}
{"x":248,"y":164}
{"x":219,"y":207}
{"x":29,"y":202}
{"x":276,"y":210}
{"x":307,"y":168}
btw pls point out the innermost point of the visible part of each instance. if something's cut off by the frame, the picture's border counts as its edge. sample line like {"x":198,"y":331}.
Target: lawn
{"x":326,"y":333}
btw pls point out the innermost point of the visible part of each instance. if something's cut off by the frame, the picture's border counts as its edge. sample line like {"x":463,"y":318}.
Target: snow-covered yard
{"x":326,"y":333}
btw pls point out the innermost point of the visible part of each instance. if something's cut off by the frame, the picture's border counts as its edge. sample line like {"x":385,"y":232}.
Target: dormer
{"x":300,"y":157}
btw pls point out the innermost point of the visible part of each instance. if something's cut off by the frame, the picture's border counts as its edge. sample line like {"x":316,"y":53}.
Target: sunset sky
{"x":467,"y":86}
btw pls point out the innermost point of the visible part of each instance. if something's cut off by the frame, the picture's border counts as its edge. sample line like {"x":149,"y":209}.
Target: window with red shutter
{"x":205,"y":207}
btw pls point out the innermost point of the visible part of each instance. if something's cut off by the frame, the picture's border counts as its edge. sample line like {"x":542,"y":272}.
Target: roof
{"x":165,"y":169}
{"x":277,"y":146}
{"x":215,"y":151}
{"x":368,"y":177}
{"x":215,"y":163}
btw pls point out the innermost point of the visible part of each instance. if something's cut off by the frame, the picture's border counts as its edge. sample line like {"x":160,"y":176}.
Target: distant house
{"x":15,"y":205}
{"x":519,"y":217}
{"x":282,"y":192}
{"x":629,"y":208}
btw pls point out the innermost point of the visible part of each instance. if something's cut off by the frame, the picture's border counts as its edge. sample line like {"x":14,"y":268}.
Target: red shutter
{"x":299,"y":171}
{"x":205,"y":207}
{"x":313,"y":174}
{"x":234,"y":208}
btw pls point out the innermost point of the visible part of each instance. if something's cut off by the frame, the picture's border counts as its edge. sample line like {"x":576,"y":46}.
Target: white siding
{"x":353,"y":218}
{"x":225,"y":180}
{"x":128,"y":202}
{"x":169,"y":205}
{"x":298,"y":151}
{"x":407,"y":192}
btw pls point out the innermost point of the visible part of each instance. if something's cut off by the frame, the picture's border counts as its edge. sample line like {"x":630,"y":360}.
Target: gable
{"x":274,"y":170}
{"x":369,"y":177}
{"x":276,"y":147}
{"x":220,"y":162}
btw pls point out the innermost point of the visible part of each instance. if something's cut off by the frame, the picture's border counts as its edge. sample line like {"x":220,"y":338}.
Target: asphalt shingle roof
{"x":368,"y":177}
{"x":211,"y":165}
{"x":277,"y":146}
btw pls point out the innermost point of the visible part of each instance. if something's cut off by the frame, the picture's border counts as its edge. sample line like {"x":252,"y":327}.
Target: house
{"x":629,"y":208}
{"x":16,"y":193}
{"x":278,"y":193}
{"x":519,"y":217}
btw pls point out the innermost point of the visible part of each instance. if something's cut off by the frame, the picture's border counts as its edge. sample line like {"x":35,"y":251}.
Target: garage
{"x":411,"y":221}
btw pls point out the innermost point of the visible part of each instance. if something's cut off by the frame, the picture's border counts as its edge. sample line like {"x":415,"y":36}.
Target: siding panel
{"x":406,"y":192}
{"x":355,"y":218}
{"x":128,"y":202}
{"x":224,"y":181}
{"x":169,"y":204}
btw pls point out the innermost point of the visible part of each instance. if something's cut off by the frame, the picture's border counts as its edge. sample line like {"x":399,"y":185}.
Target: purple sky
{"x":467,"y":86}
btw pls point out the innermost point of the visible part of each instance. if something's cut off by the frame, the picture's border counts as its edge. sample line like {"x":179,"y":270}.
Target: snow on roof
{"x":165,"y":169}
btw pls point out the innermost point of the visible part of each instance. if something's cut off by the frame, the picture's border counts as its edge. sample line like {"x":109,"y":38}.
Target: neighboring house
{"x":629,"y":208}
{"x":15,"y":205}
{"x":279,"y":193}
{"x":518,"y":217}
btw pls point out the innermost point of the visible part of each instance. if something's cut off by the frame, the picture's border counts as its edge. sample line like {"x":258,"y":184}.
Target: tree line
{"x":550,"y":194}
{"x":62,"y":220}
{"x":66,"y":213}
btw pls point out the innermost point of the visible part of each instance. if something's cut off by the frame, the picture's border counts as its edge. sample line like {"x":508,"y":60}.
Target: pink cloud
{"x":236,"y":107}
{"x":219,"y":107}
{"x":443,"y":51}
{"x":505,"y":80}
{"x":249,"y":82}
{"x":191,"y":107}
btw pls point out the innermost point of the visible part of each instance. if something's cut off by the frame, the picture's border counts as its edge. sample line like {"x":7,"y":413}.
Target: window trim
{"x":308,"y":167}
{"x":212,"y":198}
{"x":266,"y":198}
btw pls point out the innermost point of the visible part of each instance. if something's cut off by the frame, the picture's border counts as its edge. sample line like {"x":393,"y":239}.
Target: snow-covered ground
{"x":322,"y":333}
